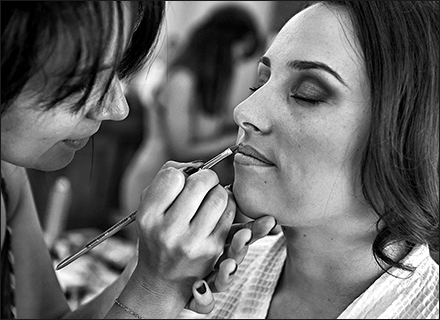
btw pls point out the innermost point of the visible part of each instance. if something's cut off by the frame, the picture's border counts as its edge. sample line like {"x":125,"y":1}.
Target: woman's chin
{"x":247,"y":203}
{"x":53,"y":164}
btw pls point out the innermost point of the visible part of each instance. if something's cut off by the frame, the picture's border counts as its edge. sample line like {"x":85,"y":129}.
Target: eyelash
{"x":306,"y":100}
{"x":253,"y":89}
{"x":303,"y":99}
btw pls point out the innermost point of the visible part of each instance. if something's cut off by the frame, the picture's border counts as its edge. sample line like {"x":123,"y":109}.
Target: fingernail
{"x":249,"y":241}
{"x":235,"y":270}
{"x":202,"y":289}
{"x":195,"y":161}
{"x":276,"y":223}
{"x":190,"y":170}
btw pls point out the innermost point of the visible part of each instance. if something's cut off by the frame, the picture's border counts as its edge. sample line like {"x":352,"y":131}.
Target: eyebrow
{"x":307,"y":65}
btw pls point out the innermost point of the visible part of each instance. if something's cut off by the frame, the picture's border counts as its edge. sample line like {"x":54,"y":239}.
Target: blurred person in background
{"x":191,"y":114}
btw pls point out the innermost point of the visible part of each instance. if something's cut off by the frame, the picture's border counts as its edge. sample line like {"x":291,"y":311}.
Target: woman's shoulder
{"x":12,"y":173}
{"x":400,"y":293}
{"x":417,"y":292}
{"x":12,"y":179}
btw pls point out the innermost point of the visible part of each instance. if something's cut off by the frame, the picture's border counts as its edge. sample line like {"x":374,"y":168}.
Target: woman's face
{"x":303,"y":130}
{"x":48,"y":140}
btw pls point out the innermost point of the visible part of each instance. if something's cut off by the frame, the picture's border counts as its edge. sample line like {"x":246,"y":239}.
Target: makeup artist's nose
{"x":253,"y":114}
{"x":114,"y":107}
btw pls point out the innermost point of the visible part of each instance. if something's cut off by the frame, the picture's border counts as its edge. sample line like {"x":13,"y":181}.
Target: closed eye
{"x":305,"y":99}
{"x":253,"y":89}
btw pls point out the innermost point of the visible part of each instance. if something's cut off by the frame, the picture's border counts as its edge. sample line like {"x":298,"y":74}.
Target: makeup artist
{"x":62,"y":67}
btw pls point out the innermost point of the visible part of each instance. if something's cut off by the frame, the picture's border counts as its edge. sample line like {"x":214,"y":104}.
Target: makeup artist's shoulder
{"x":16,"y":181}
{"x":11,"y":173}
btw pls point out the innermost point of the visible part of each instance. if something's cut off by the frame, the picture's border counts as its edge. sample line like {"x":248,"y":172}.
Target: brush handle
{"x":130,"y":218}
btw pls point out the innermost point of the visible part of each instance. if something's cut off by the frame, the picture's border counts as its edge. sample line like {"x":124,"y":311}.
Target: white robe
{"x":415,"y":297}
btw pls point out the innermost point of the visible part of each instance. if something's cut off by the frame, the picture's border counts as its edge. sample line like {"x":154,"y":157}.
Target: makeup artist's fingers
{"x":207,"y":222}
{"x":241,"y":235}
{"x":192,"y":167}
{"x":222,"y":279}
{"x":238,"y":247}
{"x":260,"y":228}
{"x":182,"y":165}
{"x":202,"y":300}
{"x":174,"y":164}
{"x":199,"y":188}
{"x":162,"y":192}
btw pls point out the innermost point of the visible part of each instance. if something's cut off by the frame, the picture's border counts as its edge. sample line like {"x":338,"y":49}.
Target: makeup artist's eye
{"x":310,"y":93}
{"x":95,"y":85}
{"x":82,"y":88}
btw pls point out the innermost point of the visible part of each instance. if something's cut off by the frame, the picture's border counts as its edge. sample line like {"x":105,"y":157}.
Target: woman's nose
{"x":251,"y":115}
{"x":114,"y":107}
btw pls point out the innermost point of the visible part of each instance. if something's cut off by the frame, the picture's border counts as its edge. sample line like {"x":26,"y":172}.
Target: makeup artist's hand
{"x":240,"y":236}
{"x":182,"y":224}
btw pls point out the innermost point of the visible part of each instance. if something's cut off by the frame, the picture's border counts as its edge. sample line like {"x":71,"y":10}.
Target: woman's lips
{"x":247,"y":155}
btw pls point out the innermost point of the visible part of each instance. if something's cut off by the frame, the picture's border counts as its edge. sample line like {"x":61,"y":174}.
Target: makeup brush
{"x":131,"y":217}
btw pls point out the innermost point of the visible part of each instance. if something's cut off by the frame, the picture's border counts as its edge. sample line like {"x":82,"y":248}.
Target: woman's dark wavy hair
{"x":31,"y":30}
{"x":208,"y":52}
{"x":400,"y":166}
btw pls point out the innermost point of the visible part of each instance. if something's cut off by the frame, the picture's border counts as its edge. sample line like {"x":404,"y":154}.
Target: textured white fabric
{"x":415,"y":297}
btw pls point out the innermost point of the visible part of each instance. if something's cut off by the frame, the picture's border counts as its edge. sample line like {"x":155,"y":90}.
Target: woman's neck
{"x":326,"y":268}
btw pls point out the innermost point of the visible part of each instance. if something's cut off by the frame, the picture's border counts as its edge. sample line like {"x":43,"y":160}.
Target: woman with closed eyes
{"x":339,"y":142}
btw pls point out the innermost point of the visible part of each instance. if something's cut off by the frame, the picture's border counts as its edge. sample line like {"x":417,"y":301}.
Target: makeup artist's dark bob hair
{"x":32,"y":30}
{"x":208,"y":52}
{"x":400,"y":166}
